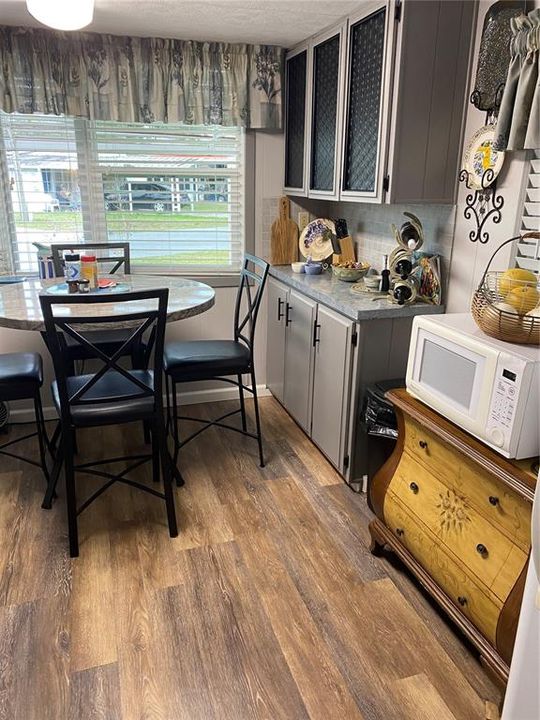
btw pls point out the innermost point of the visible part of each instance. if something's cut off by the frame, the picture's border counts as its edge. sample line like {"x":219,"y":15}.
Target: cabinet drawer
{"x":482,"y":609}
{"x":493,"y":558}
{"x":496,"y":503}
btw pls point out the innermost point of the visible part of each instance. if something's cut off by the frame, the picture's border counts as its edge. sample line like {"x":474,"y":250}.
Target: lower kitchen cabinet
{"x":319,"y":362}
{"x":332,"y":338}
{"x":309,"y":364}
{"x":300,"y":314}
{"x":275,"y":361}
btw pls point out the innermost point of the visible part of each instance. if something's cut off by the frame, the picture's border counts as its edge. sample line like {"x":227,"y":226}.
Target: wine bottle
{"x":385,"y":275}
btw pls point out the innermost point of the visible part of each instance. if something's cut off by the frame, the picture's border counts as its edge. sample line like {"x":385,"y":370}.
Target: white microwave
{"x":488,"y":387}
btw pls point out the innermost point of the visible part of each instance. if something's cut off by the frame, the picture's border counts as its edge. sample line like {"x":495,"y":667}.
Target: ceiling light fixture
{"x":62,"y":14}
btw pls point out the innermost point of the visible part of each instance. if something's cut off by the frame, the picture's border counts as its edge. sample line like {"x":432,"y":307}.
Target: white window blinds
{"x":175,"y":193}
{"x":528,"y":251}
{"x":40,"y":171}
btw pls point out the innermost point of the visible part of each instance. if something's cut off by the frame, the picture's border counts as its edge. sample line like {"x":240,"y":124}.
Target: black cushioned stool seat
{"x":21,"y":378}
{"x":21,"y":374}
{"x":196,"y":358}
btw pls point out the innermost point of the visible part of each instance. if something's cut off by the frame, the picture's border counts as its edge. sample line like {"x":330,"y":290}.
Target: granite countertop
{"x":337,"y":295}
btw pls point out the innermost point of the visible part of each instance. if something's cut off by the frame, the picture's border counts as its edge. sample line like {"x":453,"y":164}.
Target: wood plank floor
{"x":268,"y":604}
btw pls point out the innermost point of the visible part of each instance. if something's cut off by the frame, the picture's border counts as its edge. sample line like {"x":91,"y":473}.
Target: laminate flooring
{"x":267,"y":605}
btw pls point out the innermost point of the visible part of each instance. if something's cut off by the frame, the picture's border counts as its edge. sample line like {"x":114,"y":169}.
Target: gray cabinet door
{"x":327,"y":73}
{"x":331,"y":384}
{"x":300,"y":320}
{"x":275,"y":352}
{"x":370,"y":61}
{"x":297,"y":92}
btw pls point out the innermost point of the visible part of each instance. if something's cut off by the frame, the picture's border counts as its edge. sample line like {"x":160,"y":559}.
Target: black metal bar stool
{"x":110,"y":257}
{"x":111,"y":395}
{"x":222,"y":360}
{"x":21,"y":378}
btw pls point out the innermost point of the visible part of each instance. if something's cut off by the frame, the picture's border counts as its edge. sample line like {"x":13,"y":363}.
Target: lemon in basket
{"x":524,"y":298}
{"x":516,"y":278}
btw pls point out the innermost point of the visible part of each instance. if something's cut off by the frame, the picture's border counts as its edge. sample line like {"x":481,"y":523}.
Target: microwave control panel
{"x":504,"y":398}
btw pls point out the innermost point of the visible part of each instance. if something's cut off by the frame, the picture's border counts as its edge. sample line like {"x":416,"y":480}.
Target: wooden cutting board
{"x":284,"y":236}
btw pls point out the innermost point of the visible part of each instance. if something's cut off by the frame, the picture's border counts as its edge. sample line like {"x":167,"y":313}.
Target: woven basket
{"x":507,"y":326}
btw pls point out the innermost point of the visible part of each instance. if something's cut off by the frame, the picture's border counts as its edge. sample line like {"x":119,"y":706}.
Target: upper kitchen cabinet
{"x":429,"y":101}
{"x":327,"y":60}
{"x":296,"y":102}
{"x":395,"y":111}
{"x":371,"y":37}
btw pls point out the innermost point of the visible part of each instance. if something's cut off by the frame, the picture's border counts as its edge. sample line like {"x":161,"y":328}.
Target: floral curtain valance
{"x":518,"y":126}
{"x":110,"y":77}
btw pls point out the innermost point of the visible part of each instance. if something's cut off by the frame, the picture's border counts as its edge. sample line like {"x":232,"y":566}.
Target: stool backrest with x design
{"x":248,"y":298}
{"x":146,"y":315}
{"x":110,"y":257}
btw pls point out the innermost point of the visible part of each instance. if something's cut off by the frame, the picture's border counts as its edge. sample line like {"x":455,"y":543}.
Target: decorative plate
{"x":62,"y":289}
{"x":316,"y":239}
{"x":481,"y":156}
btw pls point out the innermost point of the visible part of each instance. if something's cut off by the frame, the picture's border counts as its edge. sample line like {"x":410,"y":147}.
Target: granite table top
{"x":20,"y":308}
{"x":337,"y":295}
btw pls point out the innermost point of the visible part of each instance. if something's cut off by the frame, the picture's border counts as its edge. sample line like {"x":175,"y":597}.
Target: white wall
{"x":470,"y":259}
{"x":217,"y":322}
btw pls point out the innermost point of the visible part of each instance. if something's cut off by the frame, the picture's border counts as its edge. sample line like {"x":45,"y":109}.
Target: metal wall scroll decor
{"x":482,"y":204}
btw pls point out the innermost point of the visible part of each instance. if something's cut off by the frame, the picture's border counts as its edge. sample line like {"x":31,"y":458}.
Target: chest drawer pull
{"x":493,"y":500}
{"x":482,"y":550}
{"x":414,"y":487}
{"x":462,"y":600}
{"x":423,"y":444}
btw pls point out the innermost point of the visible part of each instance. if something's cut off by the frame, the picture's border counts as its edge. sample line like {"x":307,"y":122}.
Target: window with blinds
{"x":174,"y":192}
{"x":528,"y":251}
{"x":40,"y":171}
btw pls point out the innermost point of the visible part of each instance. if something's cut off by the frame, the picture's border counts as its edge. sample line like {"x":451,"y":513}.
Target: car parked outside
{"x":153,"y":196}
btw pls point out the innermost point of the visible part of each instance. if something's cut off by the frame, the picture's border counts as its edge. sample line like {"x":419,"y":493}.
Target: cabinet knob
{"x":462,"y":600}
{"x":414,"y":487}
{"x":482,"y":550}
{"x":423,"y":444}
{"x":493,"y":500}
{"x":400,"y":531}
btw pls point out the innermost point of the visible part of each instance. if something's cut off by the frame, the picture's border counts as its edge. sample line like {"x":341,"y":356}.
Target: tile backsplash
{"x":370,"y":227}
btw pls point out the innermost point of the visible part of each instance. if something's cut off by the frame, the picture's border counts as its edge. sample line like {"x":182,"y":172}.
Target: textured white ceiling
{"x":275,"y":22}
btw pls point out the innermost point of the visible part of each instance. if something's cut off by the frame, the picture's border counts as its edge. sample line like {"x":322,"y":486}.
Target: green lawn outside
{"x":202,"y":257}
{"x":204,"y":214}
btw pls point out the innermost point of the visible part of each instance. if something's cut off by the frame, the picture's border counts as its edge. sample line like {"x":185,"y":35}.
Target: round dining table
{"x":20,"y":308}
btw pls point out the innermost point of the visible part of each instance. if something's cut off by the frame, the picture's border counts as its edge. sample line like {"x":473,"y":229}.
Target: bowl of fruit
{"x":350,"y":271}
{"x":506,"y":305}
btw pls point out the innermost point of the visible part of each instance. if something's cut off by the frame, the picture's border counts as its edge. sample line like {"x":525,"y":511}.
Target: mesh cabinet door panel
{"x":295,"y":123}
{"x":366,"y":57}
{"x":325,"y":88}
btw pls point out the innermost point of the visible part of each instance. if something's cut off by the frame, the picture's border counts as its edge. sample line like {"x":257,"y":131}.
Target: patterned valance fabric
{"x":518,"y":126}
{"x":110,"y":77}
